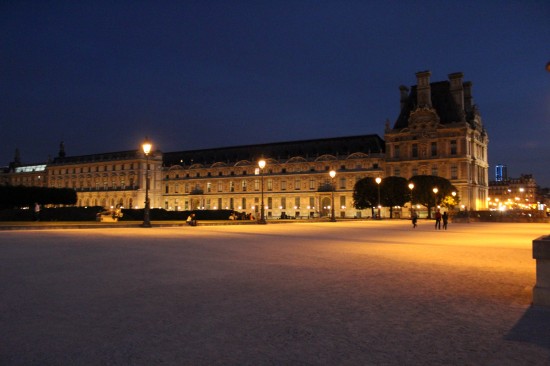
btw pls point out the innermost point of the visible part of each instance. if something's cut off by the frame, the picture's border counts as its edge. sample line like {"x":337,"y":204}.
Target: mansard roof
{"x":442,"y":101}
{"x":307,"y":149}
{"x":119,"y":155}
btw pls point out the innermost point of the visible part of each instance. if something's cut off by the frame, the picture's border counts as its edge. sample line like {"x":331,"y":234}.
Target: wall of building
{"x":294,"y":187}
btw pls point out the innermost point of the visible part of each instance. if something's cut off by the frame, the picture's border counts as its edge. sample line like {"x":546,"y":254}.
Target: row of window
{"x":453,"y":171}
{"x":281,"y":203}
{"x":96,"y":168}
{"x":97,"y":184}
{"x":414,"y":151}
{"x":198,"y":174}
{"x":245,"y":185}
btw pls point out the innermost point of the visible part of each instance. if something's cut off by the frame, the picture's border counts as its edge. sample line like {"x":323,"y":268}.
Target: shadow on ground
{"x":533,"y":327}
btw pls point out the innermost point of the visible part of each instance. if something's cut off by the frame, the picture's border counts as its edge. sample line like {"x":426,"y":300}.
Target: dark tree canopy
{"x":365,"y":193}
{"x":394,"y":191}
{"x":423,"y":192}
{"x":21,"y":196}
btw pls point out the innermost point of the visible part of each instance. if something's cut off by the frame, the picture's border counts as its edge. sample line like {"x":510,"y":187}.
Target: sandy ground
{"x":345,"y":293}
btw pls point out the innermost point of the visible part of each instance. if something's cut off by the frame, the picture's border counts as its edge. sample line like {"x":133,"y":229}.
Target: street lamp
{"x":453,"y":193}
{"x":435,"y":197}
{"x":378,"y":180}
{"x":146,"y":147}
{"x":411,"y":187}
{"x":261,"y":164}
{"x":332,"y":175}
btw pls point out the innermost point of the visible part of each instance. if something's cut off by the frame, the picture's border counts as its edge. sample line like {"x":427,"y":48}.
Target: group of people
{"x":241,"y":216}
{"x":438,"y":218}
{"x":191,"y":220}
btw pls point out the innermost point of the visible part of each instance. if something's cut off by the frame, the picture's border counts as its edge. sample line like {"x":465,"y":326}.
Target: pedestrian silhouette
{"x":445,"y":220}
{"x":438,"y":220}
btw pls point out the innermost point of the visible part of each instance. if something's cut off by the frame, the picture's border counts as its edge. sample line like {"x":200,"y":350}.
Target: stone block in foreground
{"x":541,"y":253}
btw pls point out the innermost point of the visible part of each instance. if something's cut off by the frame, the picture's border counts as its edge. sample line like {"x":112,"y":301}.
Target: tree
{"x":450,"y":201}
{"x":394,"y":191}
{"x":365,"y":194}
{"x":424,"y":190}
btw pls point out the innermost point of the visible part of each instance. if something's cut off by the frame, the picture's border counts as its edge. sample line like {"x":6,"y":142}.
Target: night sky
{"x":101,"y":76}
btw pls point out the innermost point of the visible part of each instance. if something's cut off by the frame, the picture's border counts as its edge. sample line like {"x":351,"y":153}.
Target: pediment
{"x":423,"y":118}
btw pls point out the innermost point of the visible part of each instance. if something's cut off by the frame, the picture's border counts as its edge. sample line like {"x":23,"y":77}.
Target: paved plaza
{"x":345,"y":293}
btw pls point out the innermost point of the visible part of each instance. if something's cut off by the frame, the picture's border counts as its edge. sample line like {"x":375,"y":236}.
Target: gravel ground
{"x":345,"y":293}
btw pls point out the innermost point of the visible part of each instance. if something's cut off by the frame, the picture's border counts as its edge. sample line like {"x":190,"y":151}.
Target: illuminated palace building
{"x":438,"y":132}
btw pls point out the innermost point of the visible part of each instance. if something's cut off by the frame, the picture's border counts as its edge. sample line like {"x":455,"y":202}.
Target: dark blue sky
{"x":197,"y":74}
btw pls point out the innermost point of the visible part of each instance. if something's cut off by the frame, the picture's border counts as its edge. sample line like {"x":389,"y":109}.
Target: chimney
{"x":424,"y":97}
{"x":468,"y":100}
{"x":457,"y":90}
{"x":17,"y":157}
{"x":404,"y":95}
{"x":61,"y":150}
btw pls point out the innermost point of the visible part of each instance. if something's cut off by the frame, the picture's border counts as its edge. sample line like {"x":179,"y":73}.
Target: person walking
{"x":438,"y":220}
{"x":445,"y":218}
{"x":414,"y":219}
{"x":36,"y":211}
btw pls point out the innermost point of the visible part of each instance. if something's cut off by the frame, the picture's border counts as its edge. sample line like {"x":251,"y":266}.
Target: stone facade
{"x":439,"y":132}
{"x":108,"y":179}
{"x":296,"y":177}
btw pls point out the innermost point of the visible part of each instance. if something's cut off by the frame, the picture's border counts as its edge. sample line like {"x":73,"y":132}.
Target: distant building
{"x":514,"y":193}
{"x":438,"y":132}
{"x":18,"y":174}
{"x":501,"y":173}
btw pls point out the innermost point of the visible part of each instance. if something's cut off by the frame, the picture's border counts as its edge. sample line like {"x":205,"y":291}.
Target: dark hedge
{"x":21,"y":196}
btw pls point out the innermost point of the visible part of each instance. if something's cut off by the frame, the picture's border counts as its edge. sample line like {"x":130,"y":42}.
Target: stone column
{"x":541,"y":252}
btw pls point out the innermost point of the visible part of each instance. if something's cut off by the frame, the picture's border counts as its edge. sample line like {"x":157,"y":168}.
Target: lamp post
{"x":453,"y":193}
{"x":435,"y":197}
{"x":146,"y":146}
{"x":332,"y":175}
{"x":378,"y":181}
{"x":411,"y":187}
{"x":261,"y":164}
{"x":522,"y":198}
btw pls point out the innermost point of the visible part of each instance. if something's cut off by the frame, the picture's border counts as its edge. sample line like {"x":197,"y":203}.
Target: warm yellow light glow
{"x":378,"y":180}
{"x":146,"y":146}
{"x":453,"y":193}
{"x":435,"y":190}
{"x":332,"y":174}
{"x":411,"y":186}
{"x":261,"y":164}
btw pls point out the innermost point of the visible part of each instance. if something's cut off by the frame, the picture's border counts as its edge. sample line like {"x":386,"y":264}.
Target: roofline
{"x":276,"y":143}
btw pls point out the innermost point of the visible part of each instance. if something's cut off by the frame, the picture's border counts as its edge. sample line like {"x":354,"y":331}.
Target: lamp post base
{"x":146,"y":217}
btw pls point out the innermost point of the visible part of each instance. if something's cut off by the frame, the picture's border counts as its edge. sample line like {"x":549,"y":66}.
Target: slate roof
{"x":442,"y":101}
{"x":308,"y":149}
{"x":119,"y":155}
